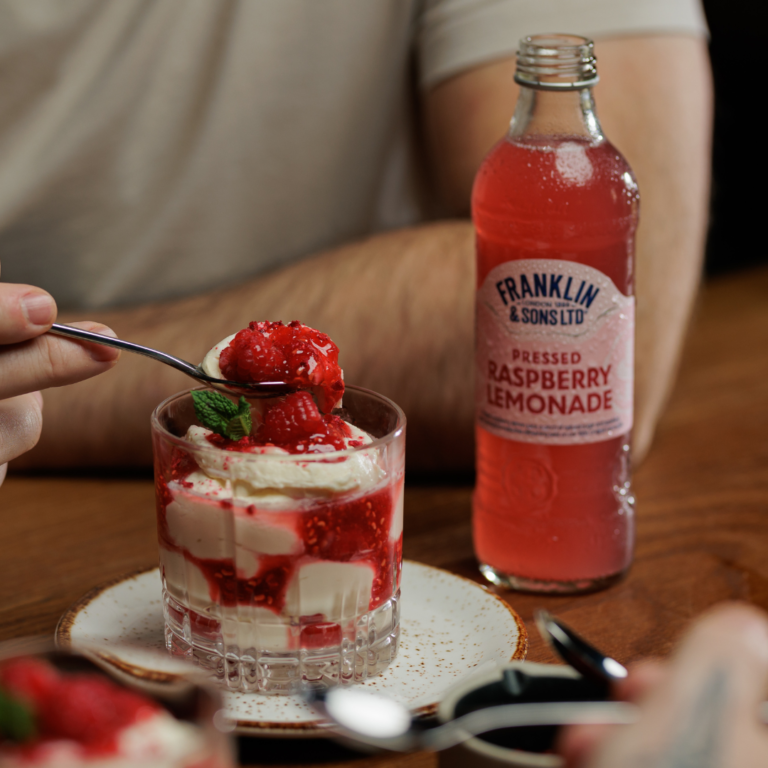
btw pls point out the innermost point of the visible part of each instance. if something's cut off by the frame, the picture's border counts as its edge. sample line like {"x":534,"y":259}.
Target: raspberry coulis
{"x":85,"y":708}
{"x":296,"y":354}
{"x":354,"y":530}
{"x":341,"y":532}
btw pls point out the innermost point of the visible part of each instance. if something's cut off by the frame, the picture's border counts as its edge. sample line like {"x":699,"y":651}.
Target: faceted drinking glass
{"x":281,"y":572}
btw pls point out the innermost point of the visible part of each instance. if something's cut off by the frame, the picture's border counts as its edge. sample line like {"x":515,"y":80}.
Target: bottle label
{"x":555,"y":353}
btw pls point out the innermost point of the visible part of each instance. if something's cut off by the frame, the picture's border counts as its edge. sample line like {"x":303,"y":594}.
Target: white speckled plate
{"x":449,"y":626}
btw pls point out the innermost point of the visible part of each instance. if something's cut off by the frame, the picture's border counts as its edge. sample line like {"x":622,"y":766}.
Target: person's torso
{"x":158,"y":148}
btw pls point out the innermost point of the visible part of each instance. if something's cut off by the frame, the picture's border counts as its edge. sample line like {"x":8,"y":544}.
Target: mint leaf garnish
{"x":17,"y":723}
{"x":222,"y":416}
{"x":240,"y":425}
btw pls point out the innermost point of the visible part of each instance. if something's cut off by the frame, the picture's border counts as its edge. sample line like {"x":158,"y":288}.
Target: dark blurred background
{"x":739,"y":164}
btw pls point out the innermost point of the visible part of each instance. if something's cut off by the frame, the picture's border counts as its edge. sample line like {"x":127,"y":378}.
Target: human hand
{"x":701,"y":708}
{"x":31,"y":360}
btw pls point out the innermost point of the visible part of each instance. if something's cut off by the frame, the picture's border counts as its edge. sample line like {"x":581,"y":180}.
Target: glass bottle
{"x":555,"y":209}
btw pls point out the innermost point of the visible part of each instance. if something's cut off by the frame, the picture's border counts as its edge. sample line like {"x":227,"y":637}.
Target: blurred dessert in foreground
{"x":75,"y":718}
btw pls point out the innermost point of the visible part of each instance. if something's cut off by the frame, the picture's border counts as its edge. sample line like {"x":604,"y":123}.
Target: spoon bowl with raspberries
{"x":251,"y":388}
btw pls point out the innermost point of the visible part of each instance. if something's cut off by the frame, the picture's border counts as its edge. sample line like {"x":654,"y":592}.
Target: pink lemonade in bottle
{"x":555,"y":211}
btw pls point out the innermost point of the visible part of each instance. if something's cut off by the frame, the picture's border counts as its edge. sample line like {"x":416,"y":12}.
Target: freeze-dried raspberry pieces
{"x":294,"y":353}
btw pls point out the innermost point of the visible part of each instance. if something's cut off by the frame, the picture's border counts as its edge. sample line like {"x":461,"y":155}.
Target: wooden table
{"x":702,"y":518}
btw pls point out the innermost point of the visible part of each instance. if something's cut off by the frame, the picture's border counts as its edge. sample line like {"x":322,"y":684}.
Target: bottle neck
{"x":542,"y":114}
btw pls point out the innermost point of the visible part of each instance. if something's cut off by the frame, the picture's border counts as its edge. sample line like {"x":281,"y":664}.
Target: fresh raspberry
{"x":32,"y":680}
{"x":295,"y":424}
{"x":294,"y":353}
{"x":294,"y":418}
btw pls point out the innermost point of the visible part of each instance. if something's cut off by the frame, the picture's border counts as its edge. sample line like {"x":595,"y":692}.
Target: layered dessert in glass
{"x":280,"y":520}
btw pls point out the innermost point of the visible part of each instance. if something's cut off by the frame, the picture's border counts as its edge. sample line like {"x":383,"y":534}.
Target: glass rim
{"x":158,"y":428}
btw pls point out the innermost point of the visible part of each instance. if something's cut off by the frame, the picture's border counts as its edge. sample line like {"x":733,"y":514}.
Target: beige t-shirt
{"x":157,"y":148}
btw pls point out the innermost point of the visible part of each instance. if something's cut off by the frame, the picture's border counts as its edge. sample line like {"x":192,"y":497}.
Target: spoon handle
{"x":108,"y":341}
{"x":526,"y":715}
{"x":574,"y":650}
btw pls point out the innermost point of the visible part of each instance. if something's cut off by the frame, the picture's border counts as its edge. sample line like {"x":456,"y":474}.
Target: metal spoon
{"x":379,"y":721}
{"x":576,"y":651}
{"x":252,"y":389}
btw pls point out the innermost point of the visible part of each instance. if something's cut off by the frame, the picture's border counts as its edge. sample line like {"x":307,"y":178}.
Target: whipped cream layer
{"x":210,"y":530}
{"x":270,"y":476}
{"x":210,"y":364}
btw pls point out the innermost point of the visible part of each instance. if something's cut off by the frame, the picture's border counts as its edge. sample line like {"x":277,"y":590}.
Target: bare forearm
{"x":398,"y":305}
{"x":662,"y":124}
